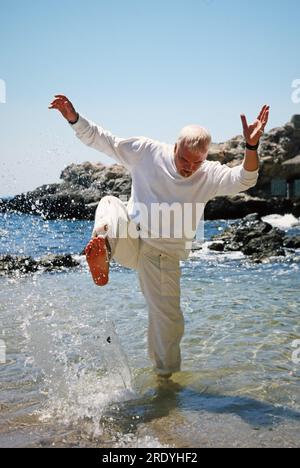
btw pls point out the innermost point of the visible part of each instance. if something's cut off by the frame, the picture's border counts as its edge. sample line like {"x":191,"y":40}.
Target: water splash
{"x":84,"y":371}
{"x":284,"y":222}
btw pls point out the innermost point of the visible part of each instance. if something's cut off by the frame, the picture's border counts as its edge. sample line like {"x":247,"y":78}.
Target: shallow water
{"x":71,"y":380}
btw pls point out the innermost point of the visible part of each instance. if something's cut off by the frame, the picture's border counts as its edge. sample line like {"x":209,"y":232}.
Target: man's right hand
{"x":66,"y":108}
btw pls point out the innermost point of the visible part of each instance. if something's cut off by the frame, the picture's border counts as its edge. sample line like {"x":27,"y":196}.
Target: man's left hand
{"x":253,"y":132}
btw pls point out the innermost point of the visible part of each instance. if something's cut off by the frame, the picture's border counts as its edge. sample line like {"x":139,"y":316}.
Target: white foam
{"x":283,"y":222}
{"x":87,"y":398}
{"x":83,"y":372}
{"x":206,"y":254}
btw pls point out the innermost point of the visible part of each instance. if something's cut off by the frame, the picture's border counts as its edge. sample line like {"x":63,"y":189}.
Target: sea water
{"x":77,"y":371}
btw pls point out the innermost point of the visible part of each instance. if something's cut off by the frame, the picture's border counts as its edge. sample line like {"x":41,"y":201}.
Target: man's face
{"x":186,"y":161}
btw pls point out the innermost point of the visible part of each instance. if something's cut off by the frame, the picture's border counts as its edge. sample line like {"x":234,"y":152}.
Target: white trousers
{"x":159,"y":277}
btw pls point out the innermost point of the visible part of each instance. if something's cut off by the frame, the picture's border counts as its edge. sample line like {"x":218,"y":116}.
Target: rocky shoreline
{"x":256,"y":239}
{"x":74,"y":206}
{"x":22,"y":265}
{"x":83,"y":185}
{"x":78,"y":194}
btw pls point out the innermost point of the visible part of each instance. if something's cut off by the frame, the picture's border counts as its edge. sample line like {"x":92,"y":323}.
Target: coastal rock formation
{"x":243,"y":204}
{"x":292,"y":242}
{"x":77,"y":196}
{"x":255,"y":238}
{"x":10,"y":265}
{"x":83,"y":185}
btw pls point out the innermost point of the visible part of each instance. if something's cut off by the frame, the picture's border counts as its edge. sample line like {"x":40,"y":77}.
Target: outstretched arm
{"x":252,"y":134}
{"x":231,"y":181}
{"x":125,"y":151}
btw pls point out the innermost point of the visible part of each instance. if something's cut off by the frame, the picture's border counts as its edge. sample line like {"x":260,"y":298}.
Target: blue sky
{"x":137,"y":68}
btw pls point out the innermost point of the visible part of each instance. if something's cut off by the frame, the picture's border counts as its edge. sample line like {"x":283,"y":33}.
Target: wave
{"x":206,"y":254}
{"x":283,"y":222}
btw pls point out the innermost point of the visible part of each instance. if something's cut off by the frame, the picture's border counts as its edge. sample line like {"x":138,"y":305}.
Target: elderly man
{"x":178,"y":176}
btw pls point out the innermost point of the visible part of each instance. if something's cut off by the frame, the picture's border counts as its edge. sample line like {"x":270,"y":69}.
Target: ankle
{"x":100,"y":231}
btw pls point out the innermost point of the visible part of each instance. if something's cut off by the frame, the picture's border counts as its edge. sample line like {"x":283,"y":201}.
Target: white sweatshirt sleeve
{"x":125,"y":151}
{"x":231,"y":181}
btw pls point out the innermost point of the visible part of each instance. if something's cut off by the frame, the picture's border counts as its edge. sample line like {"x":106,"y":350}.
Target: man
{"x":162,"y":175}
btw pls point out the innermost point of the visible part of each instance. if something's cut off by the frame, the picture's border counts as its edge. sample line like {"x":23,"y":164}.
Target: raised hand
{"x":62,"y":104}
{"x":253,"y":132}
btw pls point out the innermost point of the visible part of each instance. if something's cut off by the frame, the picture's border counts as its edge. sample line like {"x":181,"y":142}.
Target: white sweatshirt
{"x":155,"y":181}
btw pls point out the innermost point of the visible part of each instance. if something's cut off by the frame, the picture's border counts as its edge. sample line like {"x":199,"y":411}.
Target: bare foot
{"x":97,"y":258}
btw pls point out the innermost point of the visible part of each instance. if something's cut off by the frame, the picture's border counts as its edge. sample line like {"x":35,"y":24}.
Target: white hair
{"x":196,"y":138}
